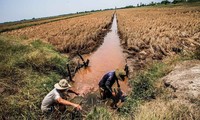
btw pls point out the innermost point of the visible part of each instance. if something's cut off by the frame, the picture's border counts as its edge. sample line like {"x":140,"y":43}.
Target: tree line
{"x":162,"y":2}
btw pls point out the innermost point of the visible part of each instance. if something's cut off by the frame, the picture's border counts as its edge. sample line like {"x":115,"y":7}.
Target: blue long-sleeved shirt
{"x":108,"y":80}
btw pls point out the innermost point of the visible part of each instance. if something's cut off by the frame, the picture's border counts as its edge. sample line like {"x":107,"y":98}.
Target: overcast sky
{"x":12,"y":10}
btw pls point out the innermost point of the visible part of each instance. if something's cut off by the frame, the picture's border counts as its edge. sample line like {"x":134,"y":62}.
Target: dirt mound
{"x":185,"y":79}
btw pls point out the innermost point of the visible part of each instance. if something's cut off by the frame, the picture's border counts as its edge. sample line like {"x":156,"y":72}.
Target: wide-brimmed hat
{"x":119,"y":73}
{"x":62,"y":85}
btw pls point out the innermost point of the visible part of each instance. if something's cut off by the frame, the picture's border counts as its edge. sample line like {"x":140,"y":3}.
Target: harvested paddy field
{"x":8,"y":26}
{"x":83,"y":33}
{"x":149,"y":33}
{"x":155,"y":40}
{"x":30,"y":66}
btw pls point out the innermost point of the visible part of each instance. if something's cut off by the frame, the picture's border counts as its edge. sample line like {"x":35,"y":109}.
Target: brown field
{"x":27,"y":23}
{"x":152,"y":33}
{"x":81,"y":33}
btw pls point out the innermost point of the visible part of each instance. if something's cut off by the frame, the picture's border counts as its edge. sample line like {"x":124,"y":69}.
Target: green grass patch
{"x":99,"y":113}
{"x":196,"y":55}
{"x":27,"y":74}
{"x":144,"y":87}
{"x":144,"y":84}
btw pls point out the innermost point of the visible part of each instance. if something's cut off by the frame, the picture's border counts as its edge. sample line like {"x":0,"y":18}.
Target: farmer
{"x":106,"y":83}
{"x":56,"y":97}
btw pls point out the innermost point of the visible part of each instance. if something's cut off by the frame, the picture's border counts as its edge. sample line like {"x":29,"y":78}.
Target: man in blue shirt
{"x":107,"y":82}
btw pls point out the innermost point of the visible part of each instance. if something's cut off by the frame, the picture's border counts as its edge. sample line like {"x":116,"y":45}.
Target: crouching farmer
{"x":56,"y":97}
{"x":106,"y":83}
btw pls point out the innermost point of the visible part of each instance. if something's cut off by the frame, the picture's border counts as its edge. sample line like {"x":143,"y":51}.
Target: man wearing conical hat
{"x":108,"y":80}
{"x":56,"y":97}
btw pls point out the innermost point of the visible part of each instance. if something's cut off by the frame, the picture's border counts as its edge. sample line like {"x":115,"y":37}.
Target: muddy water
{"x":108,"y":57}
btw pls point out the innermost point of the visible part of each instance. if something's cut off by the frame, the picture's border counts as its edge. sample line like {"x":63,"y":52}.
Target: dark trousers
{"x":105,"y":93}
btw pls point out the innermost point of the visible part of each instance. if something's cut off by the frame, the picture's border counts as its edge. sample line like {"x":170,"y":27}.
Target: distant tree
{"x":165,"y":2}
{"x":130,"y":6}
{"x":23,"y":20}
{"x":193,"y":0}
{"x":141,"y":4}
{"x":178,"y":1}
{"x":152,"y":4}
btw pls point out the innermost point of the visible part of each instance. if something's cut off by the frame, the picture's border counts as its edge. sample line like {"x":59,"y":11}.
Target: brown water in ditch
{"x":108,"y":57}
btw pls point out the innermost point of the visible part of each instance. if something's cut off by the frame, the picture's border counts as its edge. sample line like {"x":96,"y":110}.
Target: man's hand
{"x":113,"y":93}
{"x":78,"y":107}
{"x":66,"y":102}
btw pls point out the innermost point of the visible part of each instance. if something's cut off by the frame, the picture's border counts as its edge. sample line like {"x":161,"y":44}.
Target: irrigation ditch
{"x":86,"y":70}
